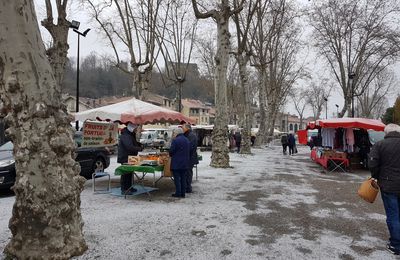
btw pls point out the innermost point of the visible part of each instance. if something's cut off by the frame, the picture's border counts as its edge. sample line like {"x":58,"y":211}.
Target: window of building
{"x":291,"y":127}
{"x":296,"y":127}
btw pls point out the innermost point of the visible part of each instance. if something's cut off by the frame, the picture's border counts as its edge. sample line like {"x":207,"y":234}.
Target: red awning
{"x":363,"y":123}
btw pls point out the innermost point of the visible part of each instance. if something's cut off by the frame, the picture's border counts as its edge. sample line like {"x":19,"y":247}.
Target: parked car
{"x":90,"y":160}
{"x":152,"y":139}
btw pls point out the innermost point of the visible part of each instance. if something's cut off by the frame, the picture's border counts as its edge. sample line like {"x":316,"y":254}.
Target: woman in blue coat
{"x":180,"y":161}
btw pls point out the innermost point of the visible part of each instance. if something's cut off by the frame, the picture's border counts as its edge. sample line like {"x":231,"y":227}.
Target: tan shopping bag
{"x":368,"y":190}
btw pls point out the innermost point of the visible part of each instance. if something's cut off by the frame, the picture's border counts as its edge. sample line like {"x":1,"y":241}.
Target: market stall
{"x":138,"y":112}
{"x":341,"y":142}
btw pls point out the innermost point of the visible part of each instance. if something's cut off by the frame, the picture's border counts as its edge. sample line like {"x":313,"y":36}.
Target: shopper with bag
{"x":384,"y":165}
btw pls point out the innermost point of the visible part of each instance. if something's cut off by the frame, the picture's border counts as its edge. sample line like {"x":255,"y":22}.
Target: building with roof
{"x":196,"y":110}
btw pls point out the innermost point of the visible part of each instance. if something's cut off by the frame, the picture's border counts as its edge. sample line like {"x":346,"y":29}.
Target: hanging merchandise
{"x":350,"y":140}
{"x":328,"y":136}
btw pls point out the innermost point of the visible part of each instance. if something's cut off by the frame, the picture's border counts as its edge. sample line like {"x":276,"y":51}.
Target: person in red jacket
{"x":384,"y":165}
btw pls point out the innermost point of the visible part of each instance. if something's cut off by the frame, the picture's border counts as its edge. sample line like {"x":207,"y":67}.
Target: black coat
{"x":127,"y":145}
{"x":384,"y":163}
{"x":193,"y":148}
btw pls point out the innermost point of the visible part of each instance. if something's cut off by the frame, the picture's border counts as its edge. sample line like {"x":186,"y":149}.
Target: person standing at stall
{"x":193,"y":160}
{"x":127,"y":145}
{"x":179,"y":152}
{"x":238,"y":141}
{"x":384,"y":165}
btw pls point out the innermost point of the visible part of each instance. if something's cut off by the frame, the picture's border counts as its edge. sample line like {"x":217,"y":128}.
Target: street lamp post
{"x":326,"y":107}
{"x":351,"y":77}
{"x":75,"y":27}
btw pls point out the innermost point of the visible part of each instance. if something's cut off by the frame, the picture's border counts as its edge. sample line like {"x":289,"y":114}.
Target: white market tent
{"x":133,"y":110}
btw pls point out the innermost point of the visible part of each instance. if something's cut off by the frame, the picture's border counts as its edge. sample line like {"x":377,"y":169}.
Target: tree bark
{"x":245,"y":147}
{"x":261,"y":135}
{"x":220,"y":151}
{"x":46,"y":221}
{"x":57,"y":53}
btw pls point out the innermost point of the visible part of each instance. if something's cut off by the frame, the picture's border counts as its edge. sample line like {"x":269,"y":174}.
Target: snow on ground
{"x":267,"y":206}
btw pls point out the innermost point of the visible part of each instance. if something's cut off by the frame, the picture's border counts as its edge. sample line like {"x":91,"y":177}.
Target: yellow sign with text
{"x":97,"y":134}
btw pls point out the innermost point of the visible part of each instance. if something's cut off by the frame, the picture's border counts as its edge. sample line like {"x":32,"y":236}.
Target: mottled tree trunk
{"x":46,"y":221}
{"x":262,"y":131}
{"x":245,"y":115}
{"x":141,"y":82}
{"x":57,"y":53}
{"x":220,"y":152}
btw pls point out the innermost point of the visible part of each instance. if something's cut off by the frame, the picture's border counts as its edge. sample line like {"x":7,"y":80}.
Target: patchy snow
{"x":266,"y":206}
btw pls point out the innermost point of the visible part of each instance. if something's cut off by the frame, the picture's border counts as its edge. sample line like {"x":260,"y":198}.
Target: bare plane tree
{"x":371,"y":103}
{"x":131,"y":26}
{"x":316,"y":95}
{"x":299,"y":98}
{"x":46,"y":222}
{"x":360,"y":37}
{"x":243,"y":23}
{"x":57,"y":53}
{"x":276,"y":48}
{"x":176,"y":34}
{"x":206,"y":51}
{"x":221,"y":15}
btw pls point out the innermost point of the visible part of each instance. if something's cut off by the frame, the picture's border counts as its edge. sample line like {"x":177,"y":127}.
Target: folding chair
{"x":337,"y":164}
{"x":99,"y":175}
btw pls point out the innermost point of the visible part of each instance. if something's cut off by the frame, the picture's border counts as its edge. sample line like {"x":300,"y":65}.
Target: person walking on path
{"x":127,"y":145}
{"x":238,"y":141}
{"x":179,"y":152}
{"x":292,"y":144}
{"x":193,"y":160}
{"x":284,"y":142}
{"x":384,"y":165}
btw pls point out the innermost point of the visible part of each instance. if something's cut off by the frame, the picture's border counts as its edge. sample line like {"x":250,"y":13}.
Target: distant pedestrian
{"x":292,"y":144}
{"x":193,"y":160}
{"x":179,"y":152}
{"x":238,"y":140}
{"x":284,"y":142}
{"x":384,"y":165}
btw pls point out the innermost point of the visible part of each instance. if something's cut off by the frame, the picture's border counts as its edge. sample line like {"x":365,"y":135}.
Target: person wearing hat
{"x":127,"y":145}
{"x":193,"y":160}
{"x":179,"y":152}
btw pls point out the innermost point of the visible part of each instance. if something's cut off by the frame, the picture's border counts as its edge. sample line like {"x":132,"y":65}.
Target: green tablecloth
{"x":123,"y":169}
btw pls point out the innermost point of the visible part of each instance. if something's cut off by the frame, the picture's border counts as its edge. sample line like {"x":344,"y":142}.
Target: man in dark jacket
{"x":384,"y":165}
{"x":179,"y":152}
{"x":284,"y":142}
{"x":127,"y":146}
{"x":238,"y":141}
{"x":292,"y":144}
{"x":193,"y":160}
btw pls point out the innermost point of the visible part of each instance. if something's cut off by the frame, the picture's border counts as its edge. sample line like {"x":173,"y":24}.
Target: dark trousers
{"x":238,"y":147}
{"x":189,"y":178}
{"x":391,"y":202}
{"x":126,"y":181}
{"x":180,"y":182}
{"x":291,"y":149}
{"x":284,"y":147}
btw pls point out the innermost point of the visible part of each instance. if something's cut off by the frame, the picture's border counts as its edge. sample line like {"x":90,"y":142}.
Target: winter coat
{"x":238,"y":138}
{"x":291,"y":140}
{"x":180,"y":152}
{"x":193,"y":148}
{"x":384,"y":163}
{"x":284,"y":140}
{"x":127,"y":145}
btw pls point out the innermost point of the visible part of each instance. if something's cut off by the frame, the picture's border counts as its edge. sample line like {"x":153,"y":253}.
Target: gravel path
{"x":267,"y":206}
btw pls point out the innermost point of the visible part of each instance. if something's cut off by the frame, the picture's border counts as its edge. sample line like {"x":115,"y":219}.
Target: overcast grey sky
{"x":95,"y":42}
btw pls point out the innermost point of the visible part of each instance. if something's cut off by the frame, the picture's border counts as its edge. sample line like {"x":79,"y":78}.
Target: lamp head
{"x":74,"y":25}
{"x":85,"y":32}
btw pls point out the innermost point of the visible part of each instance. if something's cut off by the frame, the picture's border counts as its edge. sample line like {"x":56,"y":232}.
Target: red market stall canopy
{"x":135,"y":111}
{"x":362,"y":123}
